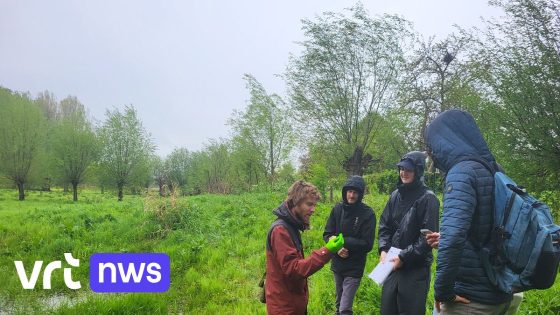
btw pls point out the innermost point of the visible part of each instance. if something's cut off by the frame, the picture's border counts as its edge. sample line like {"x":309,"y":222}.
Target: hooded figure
{"x":453,"y":138}
{"x":356,"y":221}
{"x":412,"y":207}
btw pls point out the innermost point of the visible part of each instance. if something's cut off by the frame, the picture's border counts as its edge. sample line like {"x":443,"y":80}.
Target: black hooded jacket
{"x":356,"y":222}
{"x":411,"y":207}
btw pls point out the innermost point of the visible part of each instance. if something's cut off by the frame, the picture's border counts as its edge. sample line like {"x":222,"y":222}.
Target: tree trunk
{"x":161,"y":192}
{"x":75,"y":190}
{"x":331,"y":193}
{"x":353,"y":164}
{"x":357,"y":163}
{"x":21,"y":191}
{"x":47,"y":184}
{"x":120,"y":188}
{"x":271,"y":163}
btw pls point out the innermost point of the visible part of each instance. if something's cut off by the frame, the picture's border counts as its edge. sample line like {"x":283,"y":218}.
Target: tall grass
{"x":216,"y":244}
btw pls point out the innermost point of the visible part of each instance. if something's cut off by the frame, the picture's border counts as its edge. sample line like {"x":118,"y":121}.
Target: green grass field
{"x":216,"y":244}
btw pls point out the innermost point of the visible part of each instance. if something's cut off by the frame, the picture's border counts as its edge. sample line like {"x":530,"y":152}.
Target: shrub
{"x":168,"y":213}
{"x":384,"y":182}
{"x":552,"y":199}
{"x":434,"y":181}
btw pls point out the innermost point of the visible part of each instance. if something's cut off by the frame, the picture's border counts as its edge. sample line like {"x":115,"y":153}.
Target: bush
{"x":552,"y":199}
{"x":383,"y":182}
{"x":386,"y":181}
{"x":168,"y":214}
{"x":434,"y":181}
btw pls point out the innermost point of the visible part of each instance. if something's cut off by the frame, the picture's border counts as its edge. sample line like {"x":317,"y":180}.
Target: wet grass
{"x":215,"y":242}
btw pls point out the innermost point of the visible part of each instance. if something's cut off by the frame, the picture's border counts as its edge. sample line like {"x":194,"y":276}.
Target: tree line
{"x":360,"y":95}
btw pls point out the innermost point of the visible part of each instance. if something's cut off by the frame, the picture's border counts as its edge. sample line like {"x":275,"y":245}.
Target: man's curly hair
{"x":299,"y":191}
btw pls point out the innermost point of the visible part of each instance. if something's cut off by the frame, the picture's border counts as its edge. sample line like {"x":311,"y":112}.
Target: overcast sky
{"x":179,"y":63}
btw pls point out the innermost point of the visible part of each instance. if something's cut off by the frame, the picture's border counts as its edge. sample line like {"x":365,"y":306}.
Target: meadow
{"x":215,"y":242}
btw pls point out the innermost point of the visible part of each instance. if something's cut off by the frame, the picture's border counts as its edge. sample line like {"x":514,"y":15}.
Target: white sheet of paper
{"x":382,"y":270}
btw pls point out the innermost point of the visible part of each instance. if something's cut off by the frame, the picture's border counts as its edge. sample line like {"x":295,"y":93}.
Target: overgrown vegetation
{"x":216,"y":245}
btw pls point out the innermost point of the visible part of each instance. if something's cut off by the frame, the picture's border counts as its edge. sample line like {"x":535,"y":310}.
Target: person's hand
{"x":383,"y":255}
{"x":437,"y":305}
{"x":458,"y":299}
{"x":397,"y":263}
{"x":343,"y":252}
{"x":433,"y":239}
{"x":335,"y":244}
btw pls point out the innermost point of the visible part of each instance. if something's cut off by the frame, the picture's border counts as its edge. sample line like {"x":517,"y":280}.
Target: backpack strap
{"x":427,"y":193}
{"x":413,"y":206}
{"x":497,"y":235}
{"x":294,"y":234}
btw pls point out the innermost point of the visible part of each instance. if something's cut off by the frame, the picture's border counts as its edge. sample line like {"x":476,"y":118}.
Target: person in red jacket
{"x":287,"y":269}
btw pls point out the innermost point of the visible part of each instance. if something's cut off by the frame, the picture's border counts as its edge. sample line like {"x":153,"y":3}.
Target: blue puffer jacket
{"x":466,"y":223}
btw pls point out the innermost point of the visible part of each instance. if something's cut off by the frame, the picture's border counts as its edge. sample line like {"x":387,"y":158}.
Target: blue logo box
{"x":129,"y":272}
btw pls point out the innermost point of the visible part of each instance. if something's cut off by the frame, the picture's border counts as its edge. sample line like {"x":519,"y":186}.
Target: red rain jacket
{"x":286,"y":274}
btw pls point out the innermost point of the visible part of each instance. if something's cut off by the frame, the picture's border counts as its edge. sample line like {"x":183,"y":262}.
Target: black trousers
{"x":404,"y":292}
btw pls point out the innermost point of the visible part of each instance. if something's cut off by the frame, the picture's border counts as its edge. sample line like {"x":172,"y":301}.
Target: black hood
{"x":418,"y":159}
{"x":357,"y":183}
{"x":285,"y":214}
{"x":454,"y":136}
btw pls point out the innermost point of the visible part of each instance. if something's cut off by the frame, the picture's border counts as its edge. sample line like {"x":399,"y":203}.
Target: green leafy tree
{"x":159,"y":174}
{"x":520,"y":63}
{"x":247,"y":166}
{"x":264,"y":129}
{"x":319,"y":167}
{"x":395,"y":137}
{"x":21,"y":126}
{"x":287,"y":174}
{"x":75,"y":146}
{"x":346,"y":77}
{"x":141,"y":178}
{"x":46,"y":163}
{"x":217,"y":167}
{"x":436,"y":74}
{"x":177,"y":166}
{"x":200,"y":173}
{"x":49,"y":105}
{"x":212,"y":168}
{"x":126,"y":145}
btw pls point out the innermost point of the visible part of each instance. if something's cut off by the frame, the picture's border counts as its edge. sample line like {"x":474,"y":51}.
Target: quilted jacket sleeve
{"x":459,"y":204}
